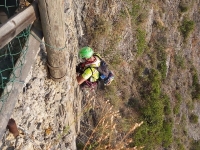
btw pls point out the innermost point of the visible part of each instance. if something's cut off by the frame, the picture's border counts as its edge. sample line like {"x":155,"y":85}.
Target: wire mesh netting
{"x":8,"y":7}
{"x":10,"y":53}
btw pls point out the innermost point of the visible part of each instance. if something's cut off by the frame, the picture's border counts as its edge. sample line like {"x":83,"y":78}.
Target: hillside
{"x":153,"y":49}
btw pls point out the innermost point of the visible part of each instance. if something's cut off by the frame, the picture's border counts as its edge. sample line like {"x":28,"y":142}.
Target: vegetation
{"x":141,"y":43}
{"x":103,"y":135}
{"x":190,"y":105}
{"x":157,"y":129}
{"x":183,"y":7}
{"x":180,"y":145}
{"x":161,"y":57}
{"x":178,"y":103}
{"x":138,"y":89}
{"x":195,"y":145}
{"x":135,"y":10}
{"x":195,"y":85}
{"x":179,"y":61}
{"x":186,"y":28}
{"x":193,"y":118}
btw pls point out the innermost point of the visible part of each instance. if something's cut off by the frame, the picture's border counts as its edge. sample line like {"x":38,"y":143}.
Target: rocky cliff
{"x":47,"y":113}
{"x":153,"y":48}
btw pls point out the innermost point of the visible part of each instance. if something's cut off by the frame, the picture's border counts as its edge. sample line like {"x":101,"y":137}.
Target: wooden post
{"x":52,"y":19}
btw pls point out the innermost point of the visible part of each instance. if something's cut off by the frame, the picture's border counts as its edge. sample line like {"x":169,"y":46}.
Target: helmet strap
{"x":88,"y":62}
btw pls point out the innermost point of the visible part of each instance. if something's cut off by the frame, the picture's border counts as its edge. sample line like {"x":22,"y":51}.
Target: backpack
{"x":105,"y":74}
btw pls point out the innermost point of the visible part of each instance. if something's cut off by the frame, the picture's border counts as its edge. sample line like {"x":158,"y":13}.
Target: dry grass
{"x":105,"y":134}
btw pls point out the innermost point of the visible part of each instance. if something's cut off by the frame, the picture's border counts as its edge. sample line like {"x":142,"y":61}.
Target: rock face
{"x":179,"y":79}
{"x":162,"y":21}
{"x":47,"y":112}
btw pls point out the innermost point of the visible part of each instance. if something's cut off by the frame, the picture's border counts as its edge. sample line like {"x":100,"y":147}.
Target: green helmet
{"x":85,"y":52}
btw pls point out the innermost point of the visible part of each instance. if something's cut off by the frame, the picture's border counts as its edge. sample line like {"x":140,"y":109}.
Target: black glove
{"x":79,"y":68}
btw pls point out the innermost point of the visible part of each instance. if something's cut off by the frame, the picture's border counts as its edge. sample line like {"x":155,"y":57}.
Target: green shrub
{"x":134,"y":103}
{"x":178,"y":97}
{"x":193,"y":118}
{"x":134,"y":12}
{"x":167,"y":105}
{"x":179,"y":61}
{"x":161,"y":57}
{"x":190,"y":105}
{"x":156,"y":130}
{"x":195,"y":85}
{"x":195,"y":145}
{"x":186,"y":28}
{"x":141,"y":42}
{"x":183,"y":7}
{"x":145,"y":137}
{"x":180,"y":146}
{"x":176,"y":109}
{"x":162,"y":67}
{"x":167,"y":133}
{"x":178,"y":103}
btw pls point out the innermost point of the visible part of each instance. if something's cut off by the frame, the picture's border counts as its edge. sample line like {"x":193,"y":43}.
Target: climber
{"x":87,"y":77}
{"x":92,"y":69}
